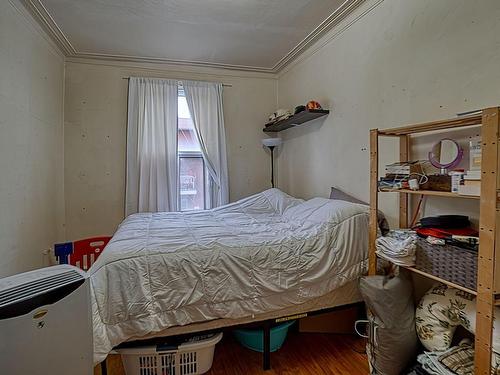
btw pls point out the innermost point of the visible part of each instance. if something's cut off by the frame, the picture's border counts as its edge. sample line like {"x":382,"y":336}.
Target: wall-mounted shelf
{"x":295,"y":120}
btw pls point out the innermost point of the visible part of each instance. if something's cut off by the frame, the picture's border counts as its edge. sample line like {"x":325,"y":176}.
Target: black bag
{"x":445,"y":221}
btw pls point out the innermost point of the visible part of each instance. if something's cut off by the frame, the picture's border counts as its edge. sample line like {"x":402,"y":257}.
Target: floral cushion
{"x":441,"y":310}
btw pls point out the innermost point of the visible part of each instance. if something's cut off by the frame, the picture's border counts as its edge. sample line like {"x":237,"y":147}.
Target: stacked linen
{"x":456,"y":360}
{"x":398,"y":247}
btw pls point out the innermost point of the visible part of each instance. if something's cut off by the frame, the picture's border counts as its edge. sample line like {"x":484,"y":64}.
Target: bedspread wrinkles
{"x":262,"y":253}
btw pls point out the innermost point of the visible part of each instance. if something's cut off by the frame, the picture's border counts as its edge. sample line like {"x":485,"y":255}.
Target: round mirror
{"x":445,"y":154}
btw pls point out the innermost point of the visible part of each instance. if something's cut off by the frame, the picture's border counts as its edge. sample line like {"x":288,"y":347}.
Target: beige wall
{"x":31,"y":141}
{"x":390,"y":63}
{"x":95,"y":137}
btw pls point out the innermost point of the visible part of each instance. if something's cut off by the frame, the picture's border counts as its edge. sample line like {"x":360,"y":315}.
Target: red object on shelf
{"x":446,"y":233}
{"x":86,"y":251}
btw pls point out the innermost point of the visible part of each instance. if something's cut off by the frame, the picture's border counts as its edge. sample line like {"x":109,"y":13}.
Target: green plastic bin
{"x":253,"y":338}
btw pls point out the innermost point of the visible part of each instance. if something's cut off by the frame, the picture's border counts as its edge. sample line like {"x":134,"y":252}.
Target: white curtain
{"x":204,"y":100}
{"x":151,"y":146}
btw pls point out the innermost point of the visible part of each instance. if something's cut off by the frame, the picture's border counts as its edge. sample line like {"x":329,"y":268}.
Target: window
{"x":191,"y":163}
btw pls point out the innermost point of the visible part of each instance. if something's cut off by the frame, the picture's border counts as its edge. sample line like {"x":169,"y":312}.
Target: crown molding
{"x":159,"y":68}
{"x":334,"y":19}
{"x":43,"y":17}
{"x":160,"y":60}
{"x":18,"y":7}
{"x":329,"y":36}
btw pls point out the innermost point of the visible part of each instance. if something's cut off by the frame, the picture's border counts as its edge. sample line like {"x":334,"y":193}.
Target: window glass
{"x":191,"y":164}
{"x":187,"y":139}
{"x":192,"y":184}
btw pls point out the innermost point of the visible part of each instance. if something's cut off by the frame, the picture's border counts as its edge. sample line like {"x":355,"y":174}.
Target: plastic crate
{"x":85,"y":252}
{"x":82,"y":253}
{"x":192,"y":357}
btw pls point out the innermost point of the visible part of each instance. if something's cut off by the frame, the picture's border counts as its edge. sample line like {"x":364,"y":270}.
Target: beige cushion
{"x":441,"y":310}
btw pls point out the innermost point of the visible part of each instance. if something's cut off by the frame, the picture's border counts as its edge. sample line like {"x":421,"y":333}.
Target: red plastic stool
{"x":86,"y":252}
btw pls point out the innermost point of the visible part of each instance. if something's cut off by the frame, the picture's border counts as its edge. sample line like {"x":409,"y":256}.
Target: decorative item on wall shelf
{"x":313,"y":104}
{"x":271,"y":143}
{"x":280,"y":115}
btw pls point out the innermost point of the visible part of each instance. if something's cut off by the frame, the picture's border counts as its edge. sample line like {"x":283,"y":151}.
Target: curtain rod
{"x":224,"y":84}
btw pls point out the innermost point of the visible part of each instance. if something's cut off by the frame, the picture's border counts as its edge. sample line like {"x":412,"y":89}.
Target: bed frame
{"x":265,"y":325}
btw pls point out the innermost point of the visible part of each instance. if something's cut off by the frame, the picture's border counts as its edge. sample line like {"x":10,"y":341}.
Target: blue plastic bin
{"x":253,"y":338}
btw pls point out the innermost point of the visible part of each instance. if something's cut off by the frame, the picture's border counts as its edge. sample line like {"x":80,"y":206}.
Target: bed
{"x":262,"y":257}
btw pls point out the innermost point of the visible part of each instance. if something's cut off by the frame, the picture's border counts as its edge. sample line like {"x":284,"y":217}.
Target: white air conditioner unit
{"x":45,"y":323}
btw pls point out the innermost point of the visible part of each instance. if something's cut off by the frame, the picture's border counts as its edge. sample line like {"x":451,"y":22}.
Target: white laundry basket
{"x":192,"y":357}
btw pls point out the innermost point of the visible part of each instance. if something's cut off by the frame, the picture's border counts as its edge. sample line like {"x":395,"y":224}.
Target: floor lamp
{"x":271,"y":143}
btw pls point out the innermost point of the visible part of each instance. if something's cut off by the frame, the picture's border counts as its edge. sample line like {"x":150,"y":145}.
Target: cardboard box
{"x":340,"y":322}
{"x":437,"y":182}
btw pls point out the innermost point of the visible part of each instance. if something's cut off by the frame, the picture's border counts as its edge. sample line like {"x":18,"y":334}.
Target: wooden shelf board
{"x":295,"y":120}
{"x":448,"y":194}
{"x":449,"y":283}
{"x":472,"y":120}
{"x":433,"y":277}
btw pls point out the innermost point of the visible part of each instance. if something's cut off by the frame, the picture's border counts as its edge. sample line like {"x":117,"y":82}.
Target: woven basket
{"x":448,"y":262}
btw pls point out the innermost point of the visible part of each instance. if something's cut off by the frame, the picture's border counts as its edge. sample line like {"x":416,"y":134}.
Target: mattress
{"x":346,"y":295}
{"x":264,"y":253}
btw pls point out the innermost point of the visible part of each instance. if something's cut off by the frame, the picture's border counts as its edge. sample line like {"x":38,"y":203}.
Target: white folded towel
{"x":398,"y":246}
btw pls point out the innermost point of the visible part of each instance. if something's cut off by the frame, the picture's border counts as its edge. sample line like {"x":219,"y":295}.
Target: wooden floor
{"x":302,"y":354}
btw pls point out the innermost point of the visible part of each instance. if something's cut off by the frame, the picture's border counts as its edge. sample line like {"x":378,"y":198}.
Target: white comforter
{"x":262,"y":253}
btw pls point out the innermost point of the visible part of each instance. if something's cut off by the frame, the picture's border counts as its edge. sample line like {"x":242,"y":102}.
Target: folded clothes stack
{"x":398,"y":247}
{"x":456,"y":360}
{"x":416,"y":369}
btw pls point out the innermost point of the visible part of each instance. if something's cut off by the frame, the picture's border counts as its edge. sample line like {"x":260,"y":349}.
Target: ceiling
{"x":255,"y":35}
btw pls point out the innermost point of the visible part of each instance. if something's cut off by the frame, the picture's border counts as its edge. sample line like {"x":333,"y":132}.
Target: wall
{"x":95,"y":136}
{"x":31,"y":141}
{"x":388,"y":64}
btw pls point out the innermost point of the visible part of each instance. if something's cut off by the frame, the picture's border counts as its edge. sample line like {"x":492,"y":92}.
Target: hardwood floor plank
{"x":302,"y":354}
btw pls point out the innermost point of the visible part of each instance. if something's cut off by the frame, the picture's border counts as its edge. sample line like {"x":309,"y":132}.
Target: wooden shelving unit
{"x":295,"y":120}
{"x":488,"y":278}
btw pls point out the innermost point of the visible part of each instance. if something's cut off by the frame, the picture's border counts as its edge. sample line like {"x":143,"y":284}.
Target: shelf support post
{"x":372,"y":257}
{"x":485,"y":303}
{"x":404,"y":155}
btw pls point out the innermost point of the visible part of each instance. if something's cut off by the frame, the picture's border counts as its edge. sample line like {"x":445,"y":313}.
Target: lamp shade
{"x":271,"y":142}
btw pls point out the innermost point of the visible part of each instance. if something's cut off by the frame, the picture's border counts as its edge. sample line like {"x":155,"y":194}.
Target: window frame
{"x":191,"y":154}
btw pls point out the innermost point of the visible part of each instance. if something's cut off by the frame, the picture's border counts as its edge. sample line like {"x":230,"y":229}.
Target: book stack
{"x":471,"y":183}
{"x":403,"y":168}
{"x":396,"y":174}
